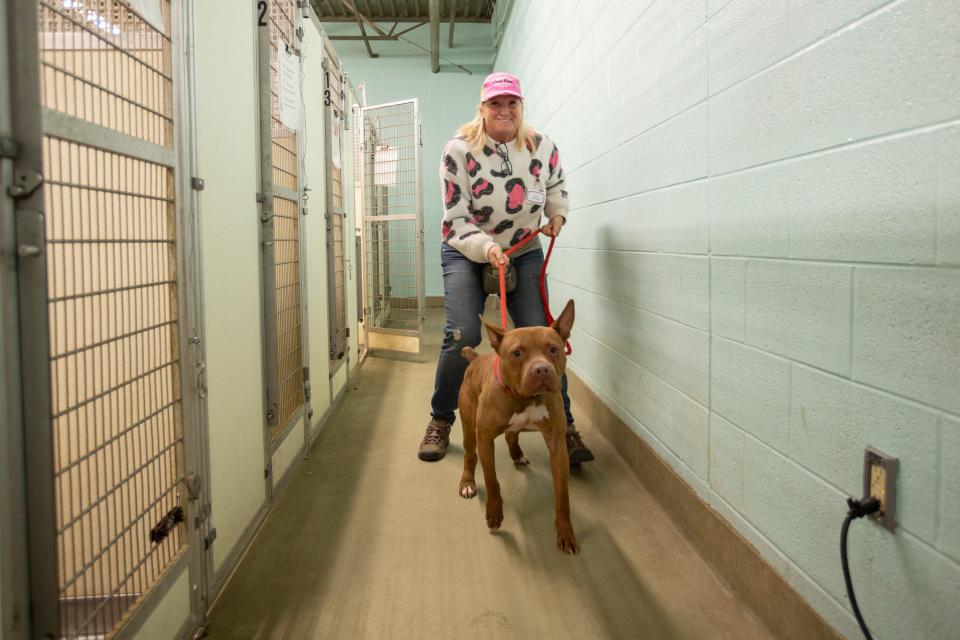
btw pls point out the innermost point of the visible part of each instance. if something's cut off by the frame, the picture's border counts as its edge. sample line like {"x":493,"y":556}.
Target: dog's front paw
{"x":468,"y":489}
{"x":566,"y":541}
{"x":521,"y":460}
{"x":494,"y":514}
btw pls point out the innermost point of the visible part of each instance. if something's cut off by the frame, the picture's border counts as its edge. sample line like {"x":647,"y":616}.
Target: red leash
{"x":543,"y":282}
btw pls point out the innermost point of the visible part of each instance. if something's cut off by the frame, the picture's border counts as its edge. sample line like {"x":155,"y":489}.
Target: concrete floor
{"x":369,"y":542}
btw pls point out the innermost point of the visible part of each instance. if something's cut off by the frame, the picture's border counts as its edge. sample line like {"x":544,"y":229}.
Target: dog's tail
{"x":469,"y":353}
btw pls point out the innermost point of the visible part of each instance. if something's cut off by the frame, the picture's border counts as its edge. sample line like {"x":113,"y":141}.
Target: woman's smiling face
{"x":501,"y":117}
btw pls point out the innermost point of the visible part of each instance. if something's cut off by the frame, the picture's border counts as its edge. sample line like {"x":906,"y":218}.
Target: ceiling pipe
{"x":435,"y":35}
{"x":453,"y":20}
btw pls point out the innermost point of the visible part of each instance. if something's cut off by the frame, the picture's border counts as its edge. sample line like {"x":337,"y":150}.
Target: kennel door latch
{"x":167,"y":524}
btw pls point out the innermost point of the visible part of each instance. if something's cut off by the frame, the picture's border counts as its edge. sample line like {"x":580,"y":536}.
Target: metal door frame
{"x":418,"y":227}
{"x":34,"y":470}
{"x":14,"y":580}
{"x":356,"y":112}
{"x":194,"y":348}
{"x":268,"y":254}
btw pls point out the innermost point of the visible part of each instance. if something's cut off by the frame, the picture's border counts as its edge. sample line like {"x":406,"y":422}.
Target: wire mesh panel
{"x":393,"y":222}
{"x":112,"y":303}
{"x":105,"y":64}
{"x":334,"y":100}
{"x":286,"y":229}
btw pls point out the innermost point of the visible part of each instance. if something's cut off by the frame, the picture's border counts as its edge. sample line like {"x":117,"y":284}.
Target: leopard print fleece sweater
{"x":496,"y":196}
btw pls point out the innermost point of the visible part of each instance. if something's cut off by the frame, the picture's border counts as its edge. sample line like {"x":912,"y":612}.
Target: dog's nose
{"x":542,"y":369}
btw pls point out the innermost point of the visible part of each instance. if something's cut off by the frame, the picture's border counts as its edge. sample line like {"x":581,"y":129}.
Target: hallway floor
{"x":369,"y":542}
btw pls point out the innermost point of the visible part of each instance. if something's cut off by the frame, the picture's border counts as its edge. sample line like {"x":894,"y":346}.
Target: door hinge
{"x":261,"y":197}
{"x":193,"y":483}
{"x":8,"y":147}
{"x":202,"y":514}
{"x":306,"y":383}
{"x":201,"y":380}
{"x":24,"y":184}
{"x":347,"y":331}
{"x":197,"y":184}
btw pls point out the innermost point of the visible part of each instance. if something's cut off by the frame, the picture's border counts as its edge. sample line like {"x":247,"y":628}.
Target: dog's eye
{"x":554,"y":349}
{"x":517,"y":353}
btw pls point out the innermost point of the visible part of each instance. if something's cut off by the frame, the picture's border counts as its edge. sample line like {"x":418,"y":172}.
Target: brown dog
{"x":517,"y":389}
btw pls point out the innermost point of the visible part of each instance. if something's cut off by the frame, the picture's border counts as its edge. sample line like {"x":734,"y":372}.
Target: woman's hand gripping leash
{"x":501,"y":258}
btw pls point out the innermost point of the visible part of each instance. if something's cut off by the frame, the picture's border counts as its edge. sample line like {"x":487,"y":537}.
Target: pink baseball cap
{"x":500,"y":84}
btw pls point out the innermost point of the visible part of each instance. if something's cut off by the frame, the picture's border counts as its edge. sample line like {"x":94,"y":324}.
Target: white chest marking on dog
{"x":525,"y":419}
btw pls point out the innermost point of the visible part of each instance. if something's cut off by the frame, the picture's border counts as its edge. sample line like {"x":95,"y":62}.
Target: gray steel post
{"x":27,"y":191}
{"x":267,"y":230}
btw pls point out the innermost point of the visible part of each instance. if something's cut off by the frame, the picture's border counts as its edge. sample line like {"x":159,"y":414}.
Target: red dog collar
{"x":498,"y":376}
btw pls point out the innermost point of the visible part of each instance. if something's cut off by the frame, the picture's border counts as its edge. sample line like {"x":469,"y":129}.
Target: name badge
{"x":536,"y":197}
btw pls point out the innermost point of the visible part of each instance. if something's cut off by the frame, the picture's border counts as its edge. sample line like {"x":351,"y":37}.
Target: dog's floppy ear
{"x":564,"y":322}
{"x":494,"y":332}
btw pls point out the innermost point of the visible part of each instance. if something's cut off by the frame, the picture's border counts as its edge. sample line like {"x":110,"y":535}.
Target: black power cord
{"x":858,"y":508}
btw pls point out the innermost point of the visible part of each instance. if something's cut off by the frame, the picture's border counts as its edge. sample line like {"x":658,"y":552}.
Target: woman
{"x":497,"y":177}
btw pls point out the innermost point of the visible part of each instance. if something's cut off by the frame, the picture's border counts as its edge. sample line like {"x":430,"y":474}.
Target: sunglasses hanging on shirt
{"x":506,"y":168}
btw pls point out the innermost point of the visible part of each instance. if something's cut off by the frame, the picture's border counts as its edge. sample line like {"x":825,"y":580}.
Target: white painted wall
{"x":764,"y":249}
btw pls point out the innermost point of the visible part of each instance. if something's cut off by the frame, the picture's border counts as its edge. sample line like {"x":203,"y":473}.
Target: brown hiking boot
{"x":435,"y":441}
{"x":576,"y":450}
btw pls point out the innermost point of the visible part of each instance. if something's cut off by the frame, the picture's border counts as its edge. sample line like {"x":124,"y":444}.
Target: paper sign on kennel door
{"x":385,"y":166}
{"x":288,"y":86}
{"x":335,"y":141}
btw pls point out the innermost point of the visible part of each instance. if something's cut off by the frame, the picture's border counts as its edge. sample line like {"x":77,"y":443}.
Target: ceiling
{"x":387,"y":20}
{"x":403,"y":10}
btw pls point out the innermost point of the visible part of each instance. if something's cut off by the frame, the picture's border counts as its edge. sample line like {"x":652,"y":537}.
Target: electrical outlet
{"x":880,"y":481}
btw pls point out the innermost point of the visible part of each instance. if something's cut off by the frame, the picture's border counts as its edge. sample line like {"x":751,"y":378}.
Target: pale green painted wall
{"x":227,"y":149}
{"x":446,"y":100}
{"x":764,"y":248}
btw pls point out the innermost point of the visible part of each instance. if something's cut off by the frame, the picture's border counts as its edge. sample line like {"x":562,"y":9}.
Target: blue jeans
{"x":464,"y":300}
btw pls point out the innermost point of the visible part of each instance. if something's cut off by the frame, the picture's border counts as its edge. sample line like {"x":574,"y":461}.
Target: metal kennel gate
{"x":393,"y":227}
{"x":280,"y":189}
{"x":104,"y":309}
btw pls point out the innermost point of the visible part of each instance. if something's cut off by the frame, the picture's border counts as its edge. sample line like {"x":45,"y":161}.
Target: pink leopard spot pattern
{"x":452,"y":194}
{"x":515,"y":197}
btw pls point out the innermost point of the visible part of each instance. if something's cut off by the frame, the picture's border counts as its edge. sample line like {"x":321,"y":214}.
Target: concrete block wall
{"x":446,"y":99}
{"x":764,"y":249}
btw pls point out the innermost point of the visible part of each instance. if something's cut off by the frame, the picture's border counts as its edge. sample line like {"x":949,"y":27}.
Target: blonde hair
{"x":473,"y":132}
